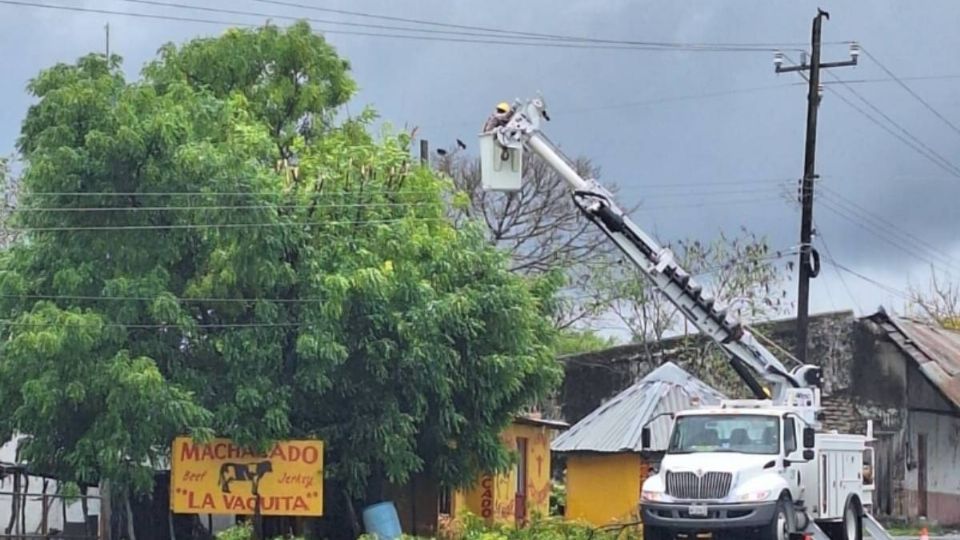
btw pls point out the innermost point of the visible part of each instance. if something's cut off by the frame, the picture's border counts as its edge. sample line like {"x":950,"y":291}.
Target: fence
{"x":35,"y":516}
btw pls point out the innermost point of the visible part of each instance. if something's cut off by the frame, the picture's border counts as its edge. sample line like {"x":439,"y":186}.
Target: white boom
{"x":503,"y":147}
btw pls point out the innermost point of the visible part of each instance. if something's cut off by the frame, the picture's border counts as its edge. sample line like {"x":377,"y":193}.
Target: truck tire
{"x":655,"y":533}
{"x":850,"y":527}
{"x":782,"y":524}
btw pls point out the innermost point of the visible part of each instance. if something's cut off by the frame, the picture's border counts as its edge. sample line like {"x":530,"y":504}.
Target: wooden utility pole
{"x":424,"y":152}
{"x":809,"y":259}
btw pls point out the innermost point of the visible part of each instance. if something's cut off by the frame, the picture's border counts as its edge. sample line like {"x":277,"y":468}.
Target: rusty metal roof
{"x":616,"y":425}
{"x":936,"y":351}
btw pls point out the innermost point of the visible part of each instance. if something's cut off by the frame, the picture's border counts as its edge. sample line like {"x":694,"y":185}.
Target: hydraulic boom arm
{"x":748,"y":357}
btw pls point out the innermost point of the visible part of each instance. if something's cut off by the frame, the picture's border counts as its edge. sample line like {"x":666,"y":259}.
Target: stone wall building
{"x":902,"y":374}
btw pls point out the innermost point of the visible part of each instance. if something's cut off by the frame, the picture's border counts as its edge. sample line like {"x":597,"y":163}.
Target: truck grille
{"x":687,"y":485}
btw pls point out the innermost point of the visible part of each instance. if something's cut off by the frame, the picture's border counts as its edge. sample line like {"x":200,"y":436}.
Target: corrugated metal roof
{"x":935,"y":350}
{"x":616,"y":425}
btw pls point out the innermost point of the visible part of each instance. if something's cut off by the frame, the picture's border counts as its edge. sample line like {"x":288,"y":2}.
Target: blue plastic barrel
{"x":382,"y":521}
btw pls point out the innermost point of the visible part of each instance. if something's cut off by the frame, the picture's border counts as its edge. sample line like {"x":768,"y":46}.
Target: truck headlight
{"x":755,"y":496}
{"x":651,"y":496}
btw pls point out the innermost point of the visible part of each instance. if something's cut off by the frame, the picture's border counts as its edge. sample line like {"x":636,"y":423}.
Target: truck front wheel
{"x":782,"y":524}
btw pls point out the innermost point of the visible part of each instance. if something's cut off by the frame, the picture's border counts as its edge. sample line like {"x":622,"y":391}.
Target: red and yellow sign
{"x":221,"y":478}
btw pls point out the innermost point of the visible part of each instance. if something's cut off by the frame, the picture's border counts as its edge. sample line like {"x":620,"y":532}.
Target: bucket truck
{"x":760,"y":467}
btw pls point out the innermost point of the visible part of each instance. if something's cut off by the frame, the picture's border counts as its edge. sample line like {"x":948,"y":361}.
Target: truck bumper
{"x":719,"y":516}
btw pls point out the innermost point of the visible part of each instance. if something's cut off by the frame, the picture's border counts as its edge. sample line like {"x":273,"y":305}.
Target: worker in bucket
{"x":499,"y":117}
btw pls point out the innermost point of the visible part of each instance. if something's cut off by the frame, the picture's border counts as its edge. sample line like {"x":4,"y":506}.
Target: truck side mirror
{"x":809,"y":437}
{"x":808,"y":455}
{"x":645,"y":438}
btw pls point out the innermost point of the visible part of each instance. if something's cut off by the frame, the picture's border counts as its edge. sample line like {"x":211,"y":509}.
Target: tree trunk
{"x":352,"y":514}
{"x":23,"y":504}
{"x":14,"y":503}
{"x":173,"y":533}
{"x":86,"y":510}
{"x":44,"y":509}
{"x":131,"y":533}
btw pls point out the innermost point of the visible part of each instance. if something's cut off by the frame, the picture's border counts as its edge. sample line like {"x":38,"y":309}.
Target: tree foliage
{"x":938,"y":303}
{"x":172,"y":279}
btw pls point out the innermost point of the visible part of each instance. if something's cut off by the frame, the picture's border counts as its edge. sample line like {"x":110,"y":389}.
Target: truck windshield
{"x":747,"y":434}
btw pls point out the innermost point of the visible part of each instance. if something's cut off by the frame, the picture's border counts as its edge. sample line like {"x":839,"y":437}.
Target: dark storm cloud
{"x":638,"y":114}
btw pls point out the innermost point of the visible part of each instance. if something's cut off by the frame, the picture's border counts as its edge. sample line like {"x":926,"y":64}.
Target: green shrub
{"x":244,"y":531}
{"x":544,"y":529}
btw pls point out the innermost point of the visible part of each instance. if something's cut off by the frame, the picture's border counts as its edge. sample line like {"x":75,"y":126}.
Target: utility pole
{"x":107,"y":28}
{"x":424,"y":152}
{"x":808,"y":255}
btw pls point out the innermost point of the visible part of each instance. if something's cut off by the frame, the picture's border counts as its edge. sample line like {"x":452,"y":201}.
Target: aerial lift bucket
{"x":501,"y":168}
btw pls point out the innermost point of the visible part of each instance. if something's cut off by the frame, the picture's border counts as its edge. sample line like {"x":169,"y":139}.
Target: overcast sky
{"x":703,"y":140}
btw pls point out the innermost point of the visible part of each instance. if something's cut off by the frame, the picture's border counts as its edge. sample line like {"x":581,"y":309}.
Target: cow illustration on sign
{"x":243,"y":472}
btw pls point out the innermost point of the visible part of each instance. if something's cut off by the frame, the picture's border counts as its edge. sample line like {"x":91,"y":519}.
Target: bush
{"x":474,"y":528}
{"x":244,"y":531}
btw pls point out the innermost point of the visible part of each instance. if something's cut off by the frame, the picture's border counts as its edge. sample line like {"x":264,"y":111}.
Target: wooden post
{"x":104,"y":532}
{"x":44,"y":506}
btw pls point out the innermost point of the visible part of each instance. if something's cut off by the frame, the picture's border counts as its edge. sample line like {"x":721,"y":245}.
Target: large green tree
{"x":170,"y":278}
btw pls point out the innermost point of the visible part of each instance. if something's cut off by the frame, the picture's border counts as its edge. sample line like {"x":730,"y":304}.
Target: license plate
{"x":697,"y":510}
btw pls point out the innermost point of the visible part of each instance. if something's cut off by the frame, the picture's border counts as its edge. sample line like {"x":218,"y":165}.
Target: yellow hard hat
{"x":503,"y":106}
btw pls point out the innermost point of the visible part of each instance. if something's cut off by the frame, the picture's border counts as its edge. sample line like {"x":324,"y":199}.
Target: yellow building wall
{"x":494,"y":497}
{"x":604,"y":488}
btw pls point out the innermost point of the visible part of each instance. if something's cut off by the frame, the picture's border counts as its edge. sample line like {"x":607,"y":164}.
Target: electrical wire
{"x":357,"y":193}
{"x":888,"y":225}
{"x":910,"y":91}
{"x":928,"y":152}
{"x":846,"y":287}
{"x":219,"y":193}
{"x":180,"y":226}
{"x":893,"y":290}
{"x":753,"y":46}
{"x":844,"y":214}
{"x":555,"y":44}
{"x":385,"y":205}
{"x":917,"y":146}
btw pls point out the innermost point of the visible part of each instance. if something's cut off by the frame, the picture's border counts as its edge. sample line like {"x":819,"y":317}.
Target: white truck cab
{"x":754,"y":469}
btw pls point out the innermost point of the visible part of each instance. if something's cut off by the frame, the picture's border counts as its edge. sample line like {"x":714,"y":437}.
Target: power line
{"x":670,"y":99}
{"x":868,"y":279}
{"x":556,"y":44}
{"x":200,"y":194}
{"x":912,"y":93}
{"x":218,"y":193}
{"x":752,"y":46}
{"x":843,"y":213}
{"x":321,"y":21}
{"x":826,"y":248}
{"x":889,"y":225}
{"x":915,"y":78}
{"x":917,"y":146}
{"x":930,"y":153}
{"x":180,"y":226}
{"x":158,"y":326}
{"x":386,"y":205}
{"x":85,"y":209}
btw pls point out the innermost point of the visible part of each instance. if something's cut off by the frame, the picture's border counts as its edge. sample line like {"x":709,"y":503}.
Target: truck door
{"x":792,"y":452}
